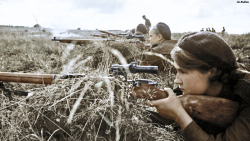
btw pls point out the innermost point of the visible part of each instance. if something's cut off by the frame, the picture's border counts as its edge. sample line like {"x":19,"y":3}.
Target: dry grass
{"x":94,"y":107}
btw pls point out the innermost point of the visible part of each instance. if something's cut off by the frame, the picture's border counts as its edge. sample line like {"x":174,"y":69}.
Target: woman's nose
{"x":177,"y":79}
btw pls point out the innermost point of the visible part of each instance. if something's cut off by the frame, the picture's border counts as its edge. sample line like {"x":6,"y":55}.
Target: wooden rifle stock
{"x":35,"y":78}
{"x":218,"y":111}
{"x":147,"y":91}
{"x":27,"y":78}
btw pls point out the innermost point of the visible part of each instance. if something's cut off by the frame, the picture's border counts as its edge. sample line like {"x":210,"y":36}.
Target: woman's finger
{"x":149,"y":103}
{"x":169,"y":91}
{"x":154,"y":103}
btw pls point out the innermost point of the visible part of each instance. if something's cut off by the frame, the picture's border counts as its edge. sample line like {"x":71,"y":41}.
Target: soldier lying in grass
{"x":206,"y":66}
{"x":161,"y":43}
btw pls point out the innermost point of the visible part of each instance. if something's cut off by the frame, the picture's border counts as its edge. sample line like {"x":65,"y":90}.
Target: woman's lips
{"x":181,"y":88}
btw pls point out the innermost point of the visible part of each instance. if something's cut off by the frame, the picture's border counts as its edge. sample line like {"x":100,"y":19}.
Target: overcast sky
{"x":180,"y":15}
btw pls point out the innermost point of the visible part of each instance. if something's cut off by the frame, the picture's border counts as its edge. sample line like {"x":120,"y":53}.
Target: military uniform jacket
{"x":239,"y":130}
{"x":164,"y":48}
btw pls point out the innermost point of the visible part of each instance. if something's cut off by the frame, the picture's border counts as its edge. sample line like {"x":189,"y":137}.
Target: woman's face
{"x":154,"y":39}
{"x":192,"y":81}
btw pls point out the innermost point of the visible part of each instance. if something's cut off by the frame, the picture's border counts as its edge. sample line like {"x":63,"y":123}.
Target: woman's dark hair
{"x":142,"y":28}
{"x":203,"y":51}
{"x":163,"y":29}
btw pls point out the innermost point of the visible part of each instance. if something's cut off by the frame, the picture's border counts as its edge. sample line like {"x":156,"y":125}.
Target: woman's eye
{"x":180,"y":71}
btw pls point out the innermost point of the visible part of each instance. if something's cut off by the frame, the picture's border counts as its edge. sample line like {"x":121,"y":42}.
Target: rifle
{"x":128,"y":36}
{"x":140,"y":83}
{"x":122,"y":34}
{"x":109,"y":33}
{"x":78,"y":41}
{"x":205,"y":109}
{"x":46,"y":79}
{"x":131,"y":36}
{"x":35,"y":78}
{"x":133,"y":68}
{"x":102,"y":36}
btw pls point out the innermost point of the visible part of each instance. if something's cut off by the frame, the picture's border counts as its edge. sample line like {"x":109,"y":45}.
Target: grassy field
{"x":94,"y":107}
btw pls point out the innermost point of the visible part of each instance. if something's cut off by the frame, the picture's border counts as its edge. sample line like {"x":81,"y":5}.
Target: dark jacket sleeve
{"x":154,"y":60}
{"x":238,"y":131}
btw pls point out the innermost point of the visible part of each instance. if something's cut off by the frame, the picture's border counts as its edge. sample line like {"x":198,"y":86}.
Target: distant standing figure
{"x":223,"y":31}
{"x":213,"y":30}
{"x":202,"y":29}
{"x":147,"y":22}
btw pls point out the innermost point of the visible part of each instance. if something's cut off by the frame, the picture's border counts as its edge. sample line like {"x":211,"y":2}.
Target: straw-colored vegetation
{"x":94,"y":107}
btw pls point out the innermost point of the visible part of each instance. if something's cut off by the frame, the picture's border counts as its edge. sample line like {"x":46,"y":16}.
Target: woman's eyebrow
{"x":179,"y":69}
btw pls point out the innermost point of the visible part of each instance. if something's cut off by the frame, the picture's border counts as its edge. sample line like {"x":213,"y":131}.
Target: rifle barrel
{"x":145,"y":69}
{"x":78,"y":41}
{"x":109,"y":33}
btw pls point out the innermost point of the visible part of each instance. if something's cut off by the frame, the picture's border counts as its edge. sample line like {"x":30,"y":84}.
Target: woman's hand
{"x":171,"y":108}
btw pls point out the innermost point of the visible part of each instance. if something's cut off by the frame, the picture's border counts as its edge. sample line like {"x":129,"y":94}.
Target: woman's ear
{"x":160,"y":37}
{"x":214,"y":72}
